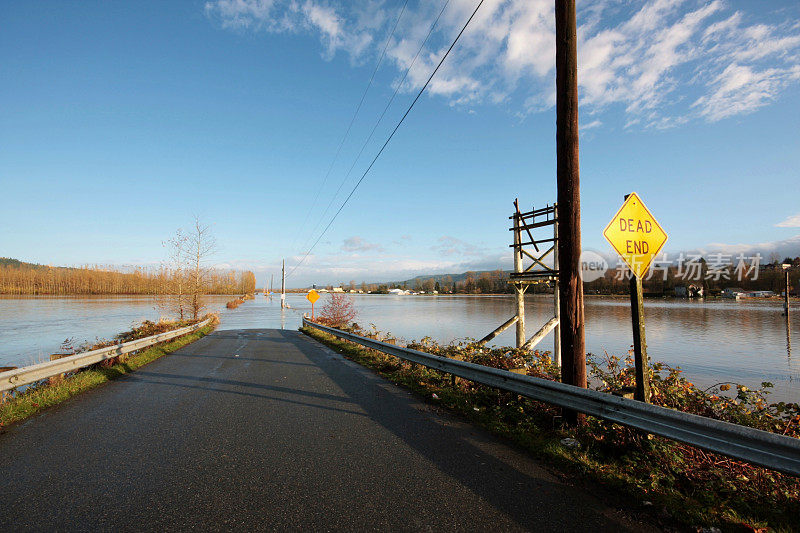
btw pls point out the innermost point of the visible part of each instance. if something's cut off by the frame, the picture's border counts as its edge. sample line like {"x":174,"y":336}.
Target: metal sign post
{"x":637,"y":238}
{"x":641,"y":361}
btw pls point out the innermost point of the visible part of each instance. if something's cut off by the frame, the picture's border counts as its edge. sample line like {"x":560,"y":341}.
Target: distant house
{"x":691,"y":291}
{"x":733,"y":292}
{"x":399,"y":292}
{"x":337,"y":289}
{"x":761,"y":294}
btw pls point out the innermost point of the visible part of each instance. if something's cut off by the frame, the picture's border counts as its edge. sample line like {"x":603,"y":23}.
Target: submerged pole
{"x":283,"y":284}
{"x":519,"y":288}
{"x":786,"y":295}
{"x":556,"y":300}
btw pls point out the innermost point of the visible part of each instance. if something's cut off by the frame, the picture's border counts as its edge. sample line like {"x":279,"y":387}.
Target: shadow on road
{"x":235,"y":383}
{"x":500,"y":475}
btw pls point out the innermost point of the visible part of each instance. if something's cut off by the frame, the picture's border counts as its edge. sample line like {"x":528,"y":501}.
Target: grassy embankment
{"x":666,"y":478}
{"x":52,"y":392}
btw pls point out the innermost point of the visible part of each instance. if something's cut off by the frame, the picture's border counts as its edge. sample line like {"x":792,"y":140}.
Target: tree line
{"x":180,"y":282}
{"x":713,"y":279}
{"x":770,"y":277}
{"x":494,"y":282}
{"x":28,"y":279}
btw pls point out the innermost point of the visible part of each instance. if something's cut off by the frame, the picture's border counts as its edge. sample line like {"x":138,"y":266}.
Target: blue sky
{"x":120,"y":120}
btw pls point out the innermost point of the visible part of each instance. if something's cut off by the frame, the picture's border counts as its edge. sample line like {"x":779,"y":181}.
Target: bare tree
{"x":174,"y":297}
{"x":201,"y":245}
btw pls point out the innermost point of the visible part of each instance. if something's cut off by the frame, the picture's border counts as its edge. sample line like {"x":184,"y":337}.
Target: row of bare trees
{"x":180,"y":283}
{"x":89,"y":280}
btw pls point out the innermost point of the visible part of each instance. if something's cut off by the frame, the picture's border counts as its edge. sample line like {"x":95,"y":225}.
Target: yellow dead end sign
{"x":635,"y":235}
{"x":312,"y":297}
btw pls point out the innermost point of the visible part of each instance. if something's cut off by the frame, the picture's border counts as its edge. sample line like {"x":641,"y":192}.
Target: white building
{"x":733,"y":292}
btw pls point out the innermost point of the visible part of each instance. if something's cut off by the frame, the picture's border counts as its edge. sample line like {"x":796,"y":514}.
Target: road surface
{"x":266,"y":430}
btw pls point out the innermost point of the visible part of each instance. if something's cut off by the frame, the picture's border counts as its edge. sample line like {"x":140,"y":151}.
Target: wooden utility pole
{"x":573,"y":353}
{"x":283,"y":284}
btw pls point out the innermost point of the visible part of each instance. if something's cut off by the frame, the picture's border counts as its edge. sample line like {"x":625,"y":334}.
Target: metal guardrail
{"x":18,"y":377}
{"x":763,"y":448}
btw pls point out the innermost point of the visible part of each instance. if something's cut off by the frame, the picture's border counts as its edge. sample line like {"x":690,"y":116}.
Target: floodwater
{"x":712,"y":341}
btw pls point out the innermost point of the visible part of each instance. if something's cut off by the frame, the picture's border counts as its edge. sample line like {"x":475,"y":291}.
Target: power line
{"x":390,"y":136}
{"x":350,"y":126}
{"x":375,"y":127}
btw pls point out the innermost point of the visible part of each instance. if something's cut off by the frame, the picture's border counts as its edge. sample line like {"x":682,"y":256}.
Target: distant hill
{"x":10,"y":262}
{"x":445,"y":277}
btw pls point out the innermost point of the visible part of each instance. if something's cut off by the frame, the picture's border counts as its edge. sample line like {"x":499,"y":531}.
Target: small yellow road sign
{"x":635,"y":235}
{"x":312,"y":296}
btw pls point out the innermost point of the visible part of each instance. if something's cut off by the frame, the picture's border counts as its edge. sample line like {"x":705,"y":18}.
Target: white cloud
{"x":591,"y":125}
{"x":242,"y":14}
{"x":790,"y":222}
{"x":782,"y":248}
{"x":291,"y":16}
{"x":450,"y":246}
{"x":357,"y":244}
{"x":740,"y":89}
{"x":662,"y":62}
{"x":331,"y":27}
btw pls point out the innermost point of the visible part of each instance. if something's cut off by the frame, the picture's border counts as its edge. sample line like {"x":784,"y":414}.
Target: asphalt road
{"x":268,"y":430}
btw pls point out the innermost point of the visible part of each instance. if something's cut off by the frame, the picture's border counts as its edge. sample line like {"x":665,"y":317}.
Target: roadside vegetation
{"x":47,"y":393}
{"x":233,"y":304}
{"x":697,"y":488}
{"x":337,"y":312}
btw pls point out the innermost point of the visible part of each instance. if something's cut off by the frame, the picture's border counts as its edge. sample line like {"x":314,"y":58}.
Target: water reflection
{"x":711,"y":341}
{"x":745,"y":341}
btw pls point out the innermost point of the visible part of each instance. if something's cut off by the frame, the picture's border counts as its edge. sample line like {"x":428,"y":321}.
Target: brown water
{"x":717,"y":340}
